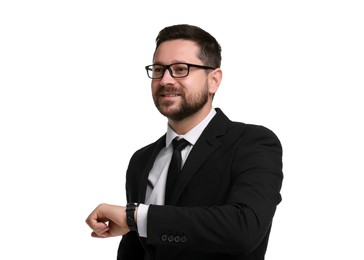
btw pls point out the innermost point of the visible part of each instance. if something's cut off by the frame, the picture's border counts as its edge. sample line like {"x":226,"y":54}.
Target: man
{"x":220,"y":200}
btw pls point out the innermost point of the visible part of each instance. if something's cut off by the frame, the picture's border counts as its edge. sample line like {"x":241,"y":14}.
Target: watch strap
{"x":130,"y":221}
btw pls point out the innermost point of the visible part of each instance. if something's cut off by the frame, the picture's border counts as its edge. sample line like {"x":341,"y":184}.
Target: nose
{"x":167,"y":77}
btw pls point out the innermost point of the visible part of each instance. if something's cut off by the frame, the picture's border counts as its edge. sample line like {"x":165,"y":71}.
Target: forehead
{"x":177,"y":51}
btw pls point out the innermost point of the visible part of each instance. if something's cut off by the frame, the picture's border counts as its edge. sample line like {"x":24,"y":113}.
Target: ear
{"x":214,"y":80}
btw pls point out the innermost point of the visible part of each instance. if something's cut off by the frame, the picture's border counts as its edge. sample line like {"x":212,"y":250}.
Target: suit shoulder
{"x":253,"y":130}
{"x":148,"y":149}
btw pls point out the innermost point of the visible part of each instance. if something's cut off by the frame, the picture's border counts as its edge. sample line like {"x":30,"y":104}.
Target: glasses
{"x":177,"y":70}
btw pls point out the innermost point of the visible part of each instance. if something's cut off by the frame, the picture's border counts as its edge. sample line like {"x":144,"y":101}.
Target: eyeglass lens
{"x":178,"y":70}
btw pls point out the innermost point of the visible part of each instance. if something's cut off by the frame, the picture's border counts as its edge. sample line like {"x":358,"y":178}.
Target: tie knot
{"x":179,"y":144}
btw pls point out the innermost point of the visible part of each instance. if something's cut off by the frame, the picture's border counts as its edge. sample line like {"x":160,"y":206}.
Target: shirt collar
{"x":192,"y":135}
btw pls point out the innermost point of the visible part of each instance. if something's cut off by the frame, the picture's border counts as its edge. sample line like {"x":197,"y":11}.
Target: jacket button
{"x":164,"y":238}
{"x":177,"y":239}
{"x":170,"y":238}
{"x":183,"y":239}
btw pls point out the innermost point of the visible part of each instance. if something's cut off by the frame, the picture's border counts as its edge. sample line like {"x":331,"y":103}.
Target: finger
{"x":98,"y":225}
{"x":101,"y":230}
{"x":93,"y":234}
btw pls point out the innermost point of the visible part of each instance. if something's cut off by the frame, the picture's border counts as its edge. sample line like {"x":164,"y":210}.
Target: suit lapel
{"x":159,"y":144}
{"x":204,"y":147}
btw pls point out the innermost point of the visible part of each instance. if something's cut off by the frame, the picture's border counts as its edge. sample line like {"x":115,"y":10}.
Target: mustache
{"x":167,"y":89}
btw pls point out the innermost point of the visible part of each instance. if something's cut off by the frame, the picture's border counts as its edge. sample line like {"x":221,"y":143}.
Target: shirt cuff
{"x":142,"y":215}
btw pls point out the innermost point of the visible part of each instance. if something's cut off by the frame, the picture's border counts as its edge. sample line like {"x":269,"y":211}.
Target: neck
{"x":183,"y":126}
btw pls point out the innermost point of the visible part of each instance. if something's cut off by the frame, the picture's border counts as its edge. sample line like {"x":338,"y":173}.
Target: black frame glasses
{"x":176,"y":70}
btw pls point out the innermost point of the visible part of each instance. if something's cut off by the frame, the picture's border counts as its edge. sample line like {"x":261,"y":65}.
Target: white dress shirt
{"x":158,"y":174}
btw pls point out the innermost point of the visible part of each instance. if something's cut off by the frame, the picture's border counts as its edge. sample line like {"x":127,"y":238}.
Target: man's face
{"x":178,"y":98}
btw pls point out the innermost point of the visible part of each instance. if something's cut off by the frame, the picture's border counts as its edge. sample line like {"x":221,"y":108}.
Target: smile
{"x":170,"y":95}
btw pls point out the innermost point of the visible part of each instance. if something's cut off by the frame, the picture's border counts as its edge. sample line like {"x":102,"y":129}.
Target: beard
{"x":187,"y":106}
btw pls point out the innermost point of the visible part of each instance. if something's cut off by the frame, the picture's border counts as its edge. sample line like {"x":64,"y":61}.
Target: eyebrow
{"x":175,"y":61}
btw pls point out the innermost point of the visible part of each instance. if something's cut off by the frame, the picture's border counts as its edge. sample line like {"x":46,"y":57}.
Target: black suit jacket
{"x":224,"y":200}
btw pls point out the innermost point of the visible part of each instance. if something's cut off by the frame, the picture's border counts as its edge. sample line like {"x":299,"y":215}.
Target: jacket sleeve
{"x":130,"y":247}
{"x":241,"y":222}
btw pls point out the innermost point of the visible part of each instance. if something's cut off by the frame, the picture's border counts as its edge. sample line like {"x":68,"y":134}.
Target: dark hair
{"x":210,"y":49}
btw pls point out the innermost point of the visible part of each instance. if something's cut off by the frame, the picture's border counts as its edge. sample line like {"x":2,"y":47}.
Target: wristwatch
{"x":130,"y":221}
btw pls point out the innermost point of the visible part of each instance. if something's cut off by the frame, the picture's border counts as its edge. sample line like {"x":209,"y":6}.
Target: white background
{"x":75,"y":104}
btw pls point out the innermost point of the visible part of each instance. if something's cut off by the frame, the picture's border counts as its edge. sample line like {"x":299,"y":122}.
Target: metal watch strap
{"x":130,"y":221}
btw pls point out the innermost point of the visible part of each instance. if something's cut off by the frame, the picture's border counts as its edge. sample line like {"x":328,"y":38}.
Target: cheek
{"x":193,"y":85}
{"x":154,"y":87}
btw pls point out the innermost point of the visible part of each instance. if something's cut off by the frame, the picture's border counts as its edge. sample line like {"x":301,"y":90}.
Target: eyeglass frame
{"x":168,"y":67}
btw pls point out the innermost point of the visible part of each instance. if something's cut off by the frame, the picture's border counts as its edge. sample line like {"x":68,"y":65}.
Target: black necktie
{"x":175,"y":166}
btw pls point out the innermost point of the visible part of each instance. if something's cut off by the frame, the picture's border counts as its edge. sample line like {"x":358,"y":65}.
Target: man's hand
{"x":108,"y":221}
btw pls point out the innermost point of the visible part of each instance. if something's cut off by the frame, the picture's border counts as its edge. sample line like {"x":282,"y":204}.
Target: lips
{"x":169,"y":92}
{"x":169,"y":95}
